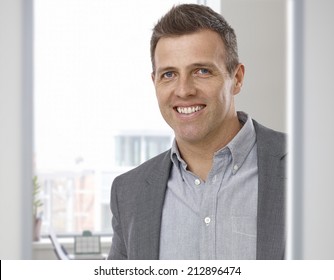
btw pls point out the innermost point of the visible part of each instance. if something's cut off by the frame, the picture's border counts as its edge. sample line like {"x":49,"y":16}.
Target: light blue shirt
{"x":215,"y":219}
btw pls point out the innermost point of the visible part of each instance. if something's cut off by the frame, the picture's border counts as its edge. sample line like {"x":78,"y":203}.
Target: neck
{"x":199,"y":155}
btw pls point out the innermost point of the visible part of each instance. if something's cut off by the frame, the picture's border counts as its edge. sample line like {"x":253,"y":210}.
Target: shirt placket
{"x":208,"y":207}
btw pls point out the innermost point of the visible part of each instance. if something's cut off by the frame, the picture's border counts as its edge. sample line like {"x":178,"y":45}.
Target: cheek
{"x":221,"y":102}
{"x":163,"y":95}
{"x":161,"y":98}
{"x":226,"y":94}
{"x":163,"y":104}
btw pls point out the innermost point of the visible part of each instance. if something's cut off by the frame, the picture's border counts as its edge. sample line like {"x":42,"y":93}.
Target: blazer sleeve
{"x":118,"y":248}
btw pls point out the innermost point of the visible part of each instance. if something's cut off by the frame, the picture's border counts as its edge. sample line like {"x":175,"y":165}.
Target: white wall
{"x":312,"y":192}
{"x":260,"y":26}
{"x":319,"y":130}
{"x":15,"y":129}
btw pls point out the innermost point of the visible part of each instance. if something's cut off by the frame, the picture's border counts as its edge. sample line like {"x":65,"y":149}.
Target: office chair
{"x":59,"y":249}
{"x":88,"y":246}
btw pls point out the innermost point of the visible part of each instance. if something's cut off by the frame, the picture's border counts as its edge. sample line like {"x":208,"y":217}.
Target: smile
{"x":189,"y":110}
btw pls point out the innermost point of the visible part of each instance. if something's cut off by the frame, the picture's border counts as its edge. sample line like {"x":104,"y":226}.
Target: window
{"x":133,"y":150}
{"x":96,"y":115}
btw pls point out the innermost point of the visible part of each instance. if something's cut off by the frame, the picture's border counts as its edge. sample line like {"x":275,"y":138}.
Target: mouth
{"x":189,"y":110}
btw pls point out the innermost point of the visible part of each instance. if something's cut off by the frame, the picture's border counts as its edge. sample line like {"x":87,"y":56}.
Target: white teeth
{"x":189,"y":110}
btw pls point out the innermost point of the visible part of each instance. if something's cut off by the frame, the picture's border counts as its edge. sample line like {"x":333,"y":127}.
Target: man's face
{"x":194,"y":90}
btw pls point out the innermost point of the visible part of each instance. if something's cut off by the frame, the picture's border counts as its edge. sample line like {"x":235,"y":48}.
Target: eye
{"x":168,"y":75}
{"x":203,"y":71}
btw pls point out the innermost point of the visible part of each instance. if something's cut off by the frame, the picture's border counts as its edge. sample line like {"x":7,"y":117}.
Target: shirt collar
{"x":240,"y":146}
{"x":176,"y":157}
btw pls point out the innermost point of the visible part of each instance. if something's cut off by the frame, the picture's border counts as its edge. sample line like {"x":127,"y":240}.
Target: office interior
{"x":288,"y":88}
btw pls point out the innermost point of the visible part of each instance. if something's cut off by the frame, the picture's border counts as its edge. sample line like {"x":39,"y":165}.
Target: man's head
{"x":195,"y":77}
{"x":189,"y":18}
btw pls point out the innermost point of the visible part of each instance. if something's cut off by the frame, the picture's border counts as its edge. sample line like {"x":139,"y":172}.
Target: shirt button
{"x":207,"y":220}
{"x":197,"y":182}
{"x":235,"y":167}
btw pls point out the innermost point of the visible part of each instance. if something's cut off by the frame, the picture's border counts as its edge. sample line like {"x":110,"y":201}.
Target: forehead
{"x":204,"y":45}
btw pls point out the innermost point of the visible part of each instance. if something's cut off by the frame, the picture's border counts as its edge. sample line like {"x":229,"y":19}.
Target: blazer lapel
{"x":152,"y":198}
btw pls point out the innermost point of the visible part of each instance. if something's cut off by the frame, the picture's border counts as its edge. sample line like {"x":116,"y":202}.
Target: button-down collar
{"x":239,"y":146}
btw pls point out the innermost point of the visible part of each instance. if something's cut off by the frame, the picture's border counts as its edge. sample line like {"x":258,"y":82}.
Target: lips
{"x":189,"y":110}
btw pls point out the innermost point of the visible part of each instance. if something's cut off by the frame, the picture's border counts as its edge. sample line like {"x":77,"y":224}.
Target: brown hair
{"x":189,"y":18}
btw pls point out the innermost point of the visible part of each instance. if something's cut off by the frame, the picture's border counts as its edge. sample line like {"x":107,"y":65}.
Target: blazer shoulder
{"x":270,"y":140}
{"x":158,"y":164}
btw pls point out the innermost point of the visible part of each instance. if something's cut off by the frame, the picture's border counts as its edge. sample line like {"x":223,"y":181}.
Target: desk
{"x":43,"y":249}
{"x":90,"y":256}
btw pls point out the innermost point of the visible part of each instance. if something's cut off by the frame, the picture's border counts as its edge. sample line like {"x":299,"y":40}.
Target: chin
{"x":190,"y":138}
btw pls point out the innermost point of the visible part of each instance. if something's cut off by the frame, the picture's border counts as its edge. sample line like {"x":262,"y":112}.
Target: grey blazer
{"x":137,"y":199}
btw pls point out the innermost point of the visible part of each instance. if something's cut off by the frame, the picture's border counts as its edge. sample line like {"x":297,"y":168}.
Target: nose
{"x":185,"y":87}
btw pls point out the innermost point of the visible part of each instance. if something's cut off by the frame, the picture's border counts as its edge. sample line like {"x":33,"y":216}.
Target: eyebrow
{"x":205,"y":65}
{"x":194,"y":65}
{"x":165,"y":69}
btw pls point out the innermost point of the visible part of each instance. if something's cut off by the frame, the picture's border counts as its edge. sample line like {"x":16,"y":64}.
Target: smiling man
{"x":218,"y":193}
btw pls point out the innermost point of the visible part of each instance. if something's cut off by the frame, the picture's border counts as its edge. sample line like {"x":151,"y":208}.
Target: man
{"x":219,"y":192}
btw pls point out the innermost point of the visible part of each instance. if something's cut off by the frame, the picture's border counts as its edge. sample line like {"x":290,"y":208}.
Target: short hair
{"x":189,"y":18}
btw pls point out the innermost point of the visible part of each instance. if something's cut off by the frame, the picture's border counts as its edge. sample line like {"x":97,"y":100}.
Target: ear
{"x":238,"y":78}
{"x":153,"y":76}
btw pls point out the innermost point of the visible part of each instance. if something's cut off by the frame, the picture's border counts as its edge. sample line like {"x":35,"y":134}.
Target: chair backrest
{"x":87,"y":243}
{"x":59,"y":249}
